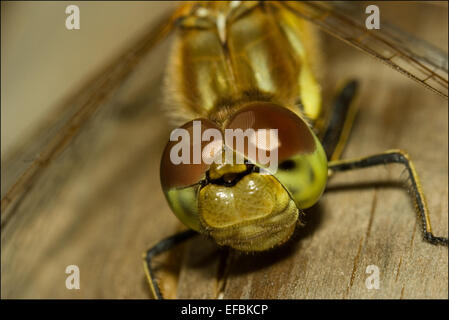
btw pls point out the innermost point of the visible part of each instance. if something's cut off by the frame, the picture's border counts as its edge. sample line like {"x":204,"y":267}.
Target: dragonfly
{"x":283,"y":99}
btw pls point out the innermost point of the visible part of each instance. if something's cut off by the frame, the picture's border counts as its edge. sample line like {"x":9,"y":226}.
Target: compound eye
{"x":300,"y":158}
{"x":189,"y":153}
{"x":292,"y":135}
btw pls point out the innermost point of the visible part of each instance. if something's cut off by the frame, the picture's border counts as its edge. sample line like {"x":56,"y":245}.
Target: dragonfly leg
{"x":396,"y":156}
{"x":162,"y":246}
{"x":340,"y":122}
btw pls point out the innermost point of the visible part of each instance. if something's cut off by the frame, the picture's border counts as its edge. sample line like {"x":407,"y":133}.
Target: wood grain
{"x":99,"y":205}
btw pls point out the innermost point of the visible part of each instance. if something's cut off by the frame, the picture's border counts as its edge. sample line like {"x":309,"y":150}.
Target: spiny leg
{"x":342,"y":117}
{"x":396,"y":156}
{"x":162,"y":246}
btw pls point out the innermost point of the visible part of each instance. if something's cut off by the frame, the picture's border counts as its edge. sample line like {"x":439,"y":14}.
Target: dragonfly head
{"x":244,"y":184}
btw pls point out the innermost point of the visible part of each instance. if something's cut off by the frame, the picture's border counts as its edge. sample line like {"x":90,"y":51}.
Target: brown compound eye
{"x":293,"y":134}
{"x":182,"y":161}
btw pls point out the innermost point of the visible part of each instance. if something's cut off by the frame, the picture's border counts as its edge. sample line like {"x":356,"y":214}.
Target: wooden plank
{"x":99,"y":206}
{"x":366,"y":217}
{"x":85,"y":207}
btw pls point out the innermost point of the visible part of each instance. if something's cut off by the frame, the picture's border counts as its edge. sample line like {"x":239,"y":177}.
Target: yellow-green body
{"x":259,"y":53}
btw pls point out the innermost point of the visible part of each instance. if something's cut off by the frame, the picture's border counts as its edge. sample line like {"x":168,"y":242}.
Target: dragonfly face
{"x":240,"y":67}
{"x":247,"y":205}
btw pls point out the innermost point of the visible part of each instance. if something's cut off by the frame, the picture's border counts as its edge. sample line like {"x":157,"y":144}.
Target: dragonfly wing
{"x":28,"y":162}
{"x":416,"y":58}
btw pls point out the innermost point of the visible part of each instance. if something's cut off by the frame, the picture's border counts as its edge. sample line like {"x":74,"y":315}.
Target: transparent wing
{"x":409,"y":55}
{"x":21,"y":168}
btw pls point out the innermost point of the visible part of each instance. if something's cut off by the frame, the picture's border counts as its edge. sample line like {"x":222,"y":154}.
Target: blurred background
{"x":42,"y":62}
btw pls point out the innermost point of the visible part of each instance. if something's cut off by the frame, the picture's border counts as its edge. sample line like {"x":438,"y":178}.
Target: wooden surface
{"x":100,"y":205}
